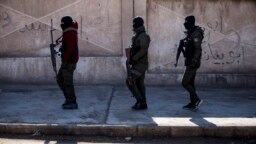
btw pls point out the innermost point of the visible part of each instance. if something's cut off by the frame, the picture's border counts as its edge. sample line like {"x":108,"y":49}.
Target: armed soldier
{"x":69,"y":58}
{"x":138,"y":64}
{"x":191,"y":48}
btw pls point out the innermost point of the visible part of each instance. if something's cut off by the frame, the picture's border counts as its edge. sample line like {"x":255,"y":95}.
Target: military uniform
{"x":192,"y":54}
{"x":139,"y":61}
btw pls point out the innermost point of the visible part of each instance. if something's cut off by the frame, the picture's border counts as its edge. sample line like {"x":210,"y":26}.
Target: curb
{"x":126,"y":130}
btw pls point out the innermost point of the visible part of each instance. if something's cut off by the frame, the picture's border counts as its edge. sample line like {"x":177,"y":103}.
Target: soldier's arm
{"x":178,"y":52}
{"x":197,"y":41}
{"x":144,"y":44}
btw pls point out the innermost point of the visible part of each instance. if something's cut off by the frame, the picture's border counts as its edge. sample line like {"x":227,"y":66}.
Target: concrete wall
{"x":229,"y":45}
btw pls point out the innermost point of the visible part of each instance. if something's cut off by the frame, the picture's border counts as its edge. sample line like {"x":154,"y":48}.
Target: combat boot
{"x":135,"y":105}
{"x":65,"y":103}
{"x":70,"y":105}
{"x":190,"y":106}
{"x":140,"y":105}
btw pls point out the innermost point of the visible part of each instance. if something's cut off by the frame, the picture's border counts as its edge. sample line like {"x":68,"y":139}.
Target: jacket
{"x":69,"y":48}
{"x":193,"y":48}
{"x":140,"y":45}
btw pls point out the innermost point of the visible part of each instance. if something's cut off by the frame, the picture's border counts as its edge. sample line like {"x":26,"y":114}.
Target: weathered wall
{"x":25,"y":26}
{"x":230,"y":34}
{"x":229,"y":45}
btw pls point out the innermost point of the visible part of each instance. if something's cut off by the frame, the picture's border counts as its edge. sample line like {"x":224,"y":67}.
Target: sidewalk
{"x":106,"y":110}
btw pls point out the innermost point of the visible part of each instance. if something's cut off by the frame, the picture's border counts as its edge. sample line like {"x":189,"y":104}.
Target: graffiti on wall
{"x":218,"y":56}
{"x":99,"y":25}
{"x":225,"y":45}
{"x":34,"y":27}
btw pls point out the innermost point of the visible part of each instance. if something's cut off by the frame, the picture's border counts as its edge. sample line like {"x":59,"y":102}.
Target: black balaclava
{"x":66,"y":22}
{"x":189,"y":22}
{"x":137,"y":22}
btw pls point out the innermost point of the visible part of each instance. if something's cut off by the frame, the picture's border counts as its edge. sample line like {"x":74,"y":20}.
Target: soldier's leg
{"x":194,"y":97}
{"x":192,"y":82}
{"x":136,"y":88}
{"x":60,"y":81}
{"x":68,"y":82}
{"x":187,"y":83}
{"x":141,"y":86}
{"x":132,"y":84}
{"x":141,"y":103}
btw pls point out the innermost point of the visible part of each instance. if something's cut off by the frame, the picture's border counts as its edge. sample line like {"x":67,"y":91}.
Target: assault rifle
{"x":52,"y":50}
{"x":180,"y":49}
{"x":128,"y":66}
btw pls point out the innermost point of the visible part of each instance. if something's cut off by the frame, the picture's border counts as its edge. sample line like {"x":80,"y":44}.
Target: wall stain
{"x":5,"y":19}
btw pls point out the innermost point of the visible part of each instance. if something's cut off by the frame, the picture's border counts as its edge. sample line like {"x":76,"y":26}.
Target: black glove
{"x":132,"y":62}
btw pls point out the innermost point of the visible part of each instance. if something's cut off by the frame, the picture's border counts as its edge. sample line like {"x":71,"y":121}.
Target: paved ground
{"x":229,"y":111}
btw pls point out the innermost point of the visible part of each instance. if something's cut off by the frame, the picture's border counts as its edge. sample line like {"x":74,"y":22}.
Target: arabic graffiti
{"x":219,"y":54}
{"x":33,"y":26}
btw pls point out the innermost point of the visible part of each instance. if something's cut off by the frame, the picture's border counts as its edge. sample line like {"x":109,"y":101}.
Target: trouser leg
{"x":60,"y":81}
{"x":188,"y":83}
{"x":68,"y":72}
{"x":135,"y":90}
{"x":193,"y":82}
{"x":141,"y":86}
{"x":137,"y":87}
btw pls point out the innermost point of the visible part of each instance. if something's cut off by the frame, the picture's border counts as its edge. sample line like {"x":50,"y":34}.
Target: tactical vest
{"x":189,"y":45}
{"x":189,"y":48}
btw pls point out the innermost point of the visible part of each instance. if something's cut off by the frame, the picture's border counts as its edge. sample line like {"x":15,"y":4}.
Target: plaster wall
{"x":105,"y":29}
